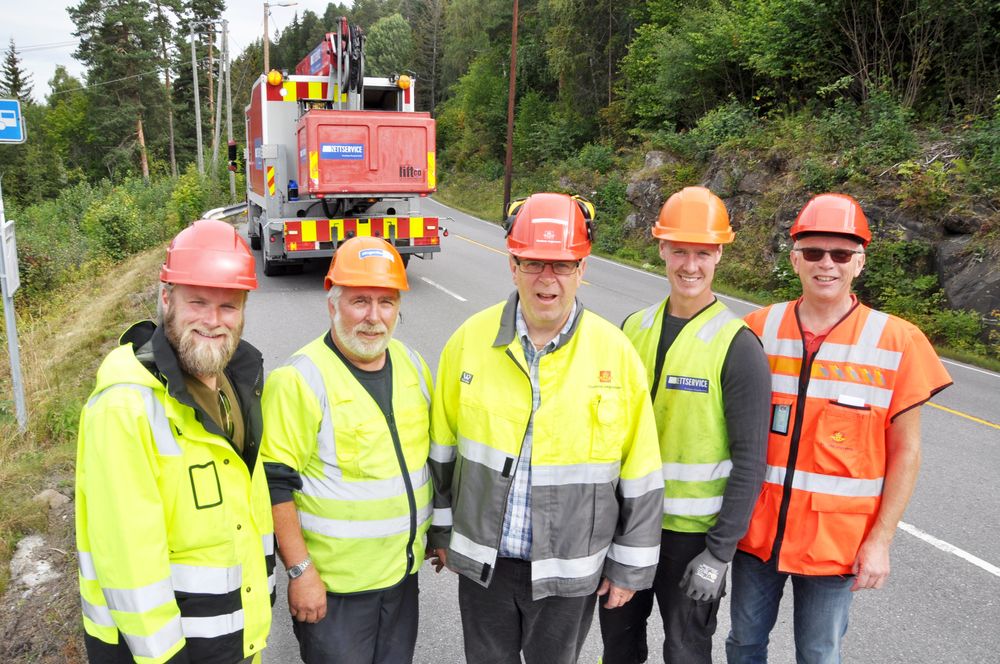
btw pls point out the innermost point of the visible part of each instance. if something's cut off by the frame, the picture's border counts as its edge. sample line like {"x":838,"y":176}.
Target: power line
{"x":117,"y":80}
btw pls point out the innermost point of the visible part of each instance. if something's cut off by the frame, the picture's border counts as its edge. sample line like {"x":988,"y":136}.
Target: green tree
{"x":119,"y":48}
{"x":14,"y":81}
{"x":389,"y":47}
{"x":428,"y":36}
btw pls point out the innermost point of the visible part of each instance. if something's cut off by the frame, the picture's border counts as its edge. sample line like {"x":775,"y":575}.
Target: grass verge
{"x":62,"y":342}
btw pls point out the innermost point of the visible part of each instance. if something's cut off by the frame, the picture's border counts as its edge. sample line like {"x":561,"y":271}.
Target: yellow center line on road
{"x":966,"y":416}
{"x":496,"y":251}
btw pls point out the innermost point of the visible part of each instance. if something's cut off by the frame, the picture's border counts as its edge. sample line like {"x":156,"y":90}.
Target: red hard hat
{"x":366,"y":261}
{"x":694,"y":214}
{"x":835,"y":214}
{"x":550,"y":227}
{"x":210,"y":253}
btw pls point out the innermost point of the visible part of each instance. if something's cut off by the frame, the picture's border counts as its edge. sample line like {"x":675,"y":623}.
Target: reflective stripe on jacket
{"x":174,"y":534}
{"x":826,"y":456}
{"x":690,"y":418}
{"x":363,"y":520}
{"x":596,"y":485}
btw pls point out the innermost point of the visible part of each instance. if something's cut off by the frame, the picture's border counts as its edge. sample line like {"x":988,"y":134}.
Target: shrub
{"x":115,"y":227}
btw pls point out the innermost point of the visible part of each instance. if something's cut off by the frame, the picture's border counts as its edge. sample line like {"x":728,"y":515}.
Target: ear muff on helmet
{"x":512,"y":209}
{"x":589,"y":213}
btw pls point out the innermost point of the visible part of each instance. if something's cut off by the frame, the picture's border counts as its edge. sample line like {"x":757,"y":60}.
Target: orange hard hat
{"x":209,"y":253}
{"x":366,"y":261}
{"x":836,"y":214}
{"x":694,"y":214}
{"x":550,"y":227}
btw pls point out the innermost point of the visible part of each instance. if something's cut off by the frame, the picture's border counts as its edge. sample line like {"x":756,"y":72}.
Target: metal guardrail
{"x":226,"y":212}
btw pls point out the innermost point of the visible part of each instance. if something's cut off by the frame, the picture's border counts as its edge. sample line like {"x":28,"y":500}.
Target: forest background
{"x":897,"y":103}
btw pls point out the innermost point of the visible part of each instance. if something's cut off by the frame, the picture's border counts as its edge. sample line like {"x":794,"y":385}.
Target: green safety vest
{"x":688,"y":407}
{"x":363,"y":520}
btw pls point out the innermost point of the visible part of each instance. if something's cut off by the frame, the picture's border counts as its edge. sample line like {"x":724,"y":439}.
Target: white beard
{"x":362,"y":348}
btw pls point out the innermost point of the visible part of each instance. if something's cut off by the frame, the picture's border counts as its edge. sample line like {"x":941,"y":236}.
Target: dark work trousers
{"x":687,"y":625}
{"x":371,"y":628}
{"x":502,"y":621}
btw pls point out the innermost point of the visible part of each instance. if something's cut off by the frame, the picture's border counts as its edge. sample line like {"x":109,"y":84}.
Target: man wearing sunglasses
{"x":709,"y":384}
{"x":346,"y":436}
{"x":847,"y":383}
{"x":173,"y":520}
{"x":548,"y":490}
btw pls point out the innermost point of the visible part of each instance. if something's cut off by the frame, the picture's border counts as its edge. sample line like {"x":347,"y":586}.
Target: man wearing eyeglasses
{"x":548,"y":490}
{"x":847,"y":383}
{"x":346,"y":436}
{"x":173,"y":519}
{"x":709,"y":384}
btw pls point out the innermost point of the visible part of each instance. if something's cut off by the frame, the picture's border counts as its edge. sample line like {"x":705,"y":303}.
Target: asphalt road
{"x":942,"y":602}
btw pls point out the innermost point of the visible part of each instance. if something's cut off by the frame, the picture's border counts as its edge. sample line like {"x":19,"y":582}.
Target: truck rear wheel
{"x":254,"y":239}
{"x":272,"y":269}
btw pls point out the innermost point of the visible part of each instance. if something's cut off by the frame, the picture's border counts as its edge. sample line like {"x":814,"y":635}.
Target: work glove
{"x":704,"y":579}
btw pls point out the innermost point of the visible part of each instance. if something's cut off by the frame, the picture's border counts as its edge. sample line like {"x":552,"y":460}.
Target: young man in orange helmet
{"x":345,"y":450}
{"x":709,"y":383}
{"x":847,"y":383}
{"x":173,"y":521}
{"x":547,"y":478}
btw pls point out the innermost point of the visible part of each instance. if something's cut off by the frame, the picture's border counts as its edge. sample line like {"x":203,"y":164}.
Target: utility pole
{"x":217,"y":132}
{"x":229,"y":105}
{"x":267,"y":38}
{"x":197,"y":103}
{"x":508,"y":159}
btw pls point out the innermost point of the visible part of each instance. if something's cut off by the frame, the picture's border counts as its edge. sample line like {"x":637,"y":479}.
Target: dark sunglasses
{"x":814,"y":254}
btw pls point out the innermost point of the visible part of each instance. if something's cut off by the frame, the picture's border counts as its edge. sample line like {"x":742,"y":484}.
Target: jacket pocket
{"x":841,"y":525}
{"x":607,"y":427}
{"x":842,"y":435}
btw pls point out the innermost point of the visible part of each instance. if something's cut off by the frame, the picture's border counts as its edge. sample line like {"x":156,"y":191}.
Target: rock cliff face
{"x":969,"y":274}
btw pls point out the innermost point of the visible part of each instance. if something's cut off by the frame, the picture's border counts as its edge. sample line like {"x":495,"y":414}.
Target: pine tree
{"x":14,"y":81}
{"x":120,"y":49}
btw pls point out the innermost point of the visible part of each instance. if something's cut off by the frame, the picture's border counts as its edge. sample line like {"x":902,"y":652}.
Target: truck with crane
{"x":332,"y":153}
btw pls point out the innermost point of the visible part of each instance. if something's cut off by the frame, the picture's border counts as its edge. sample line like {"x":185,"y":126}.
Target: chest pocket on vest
{"x":607,"y":427}
{"x":366,"y":451}
{"x":842,"y":436}
{"x":205,"y":485}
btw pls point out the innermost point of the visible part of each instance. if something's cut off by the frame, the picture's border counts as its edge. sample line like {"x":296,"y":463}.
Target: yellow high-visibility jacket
{"x":173,"y":525}
{"x":596,"y":483}
{"x":364,"y":519}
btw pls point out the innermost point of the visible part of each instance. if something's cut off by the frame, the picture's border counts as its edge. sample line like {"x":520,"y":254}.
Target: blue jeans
{"x":821,"y":607}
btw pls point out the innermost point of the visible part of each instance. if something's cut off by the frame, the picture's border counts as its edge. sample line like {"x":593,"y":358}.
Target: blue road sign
{"x":11,"y":122}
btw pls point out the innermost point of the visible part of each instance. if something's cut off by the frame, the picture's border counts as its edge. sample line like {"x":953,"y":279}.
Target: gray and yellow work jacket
{"x":173,"y":524}
{"x":363,"y":491}
{"x":689,"y":408}
{"x":596,"y":487}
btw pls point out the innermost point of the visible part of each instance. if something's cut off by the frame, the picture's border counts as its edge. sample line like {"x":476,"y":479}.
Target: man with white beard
{"x":173,"y":521}
{"x":346,"y":439}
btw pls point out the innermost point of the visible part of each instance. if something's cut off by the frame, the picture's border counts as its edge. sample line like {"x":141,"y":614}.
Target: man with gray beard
{"x":346,"y":439}
{"x":173,"y":519}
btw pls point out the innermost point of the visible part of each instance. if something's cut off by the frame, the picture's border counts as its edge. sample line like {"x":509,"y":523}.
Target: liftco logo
{"x":466,"y":377}
{"x":407,"y":171}
{"x":687,"y":384}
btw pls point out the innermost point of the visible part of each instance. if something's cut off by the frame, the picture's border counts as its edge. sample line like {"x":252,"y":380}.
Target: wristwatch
{"x":295,"y":571}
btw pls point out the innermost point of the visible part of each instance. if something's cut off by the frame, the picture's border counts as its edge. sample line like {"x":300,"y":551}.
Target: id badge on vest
{"x":780,"y":415}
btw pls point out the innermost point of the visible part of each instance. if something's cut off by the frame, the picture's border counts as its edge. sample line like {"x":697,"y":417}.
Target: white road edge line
{"x":949,"y":548}
{"x":444,"y":290}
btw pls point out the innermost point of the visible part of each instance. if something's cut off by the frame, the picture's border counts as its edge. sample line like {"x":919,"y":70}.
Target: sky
{"x":44,"y":37}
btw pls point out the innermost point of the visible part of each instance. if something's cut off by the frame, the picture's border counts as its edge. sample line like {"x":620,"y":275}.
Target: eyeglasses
{"x":537,"y":267}
{"x":226,"y":409}
{"x":814,"y":254}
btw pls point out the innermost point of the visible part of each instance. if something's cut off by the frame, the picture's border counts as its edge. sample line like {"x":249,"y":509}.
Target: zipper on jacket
{"x":410,"y":498}
{"x":506,"y":495}
{"x":793,"y":450}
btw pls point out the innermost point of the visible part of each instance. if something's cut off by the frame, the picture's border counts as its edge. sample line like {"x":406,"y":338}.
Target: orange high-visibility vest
{"x":826,"y":455}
